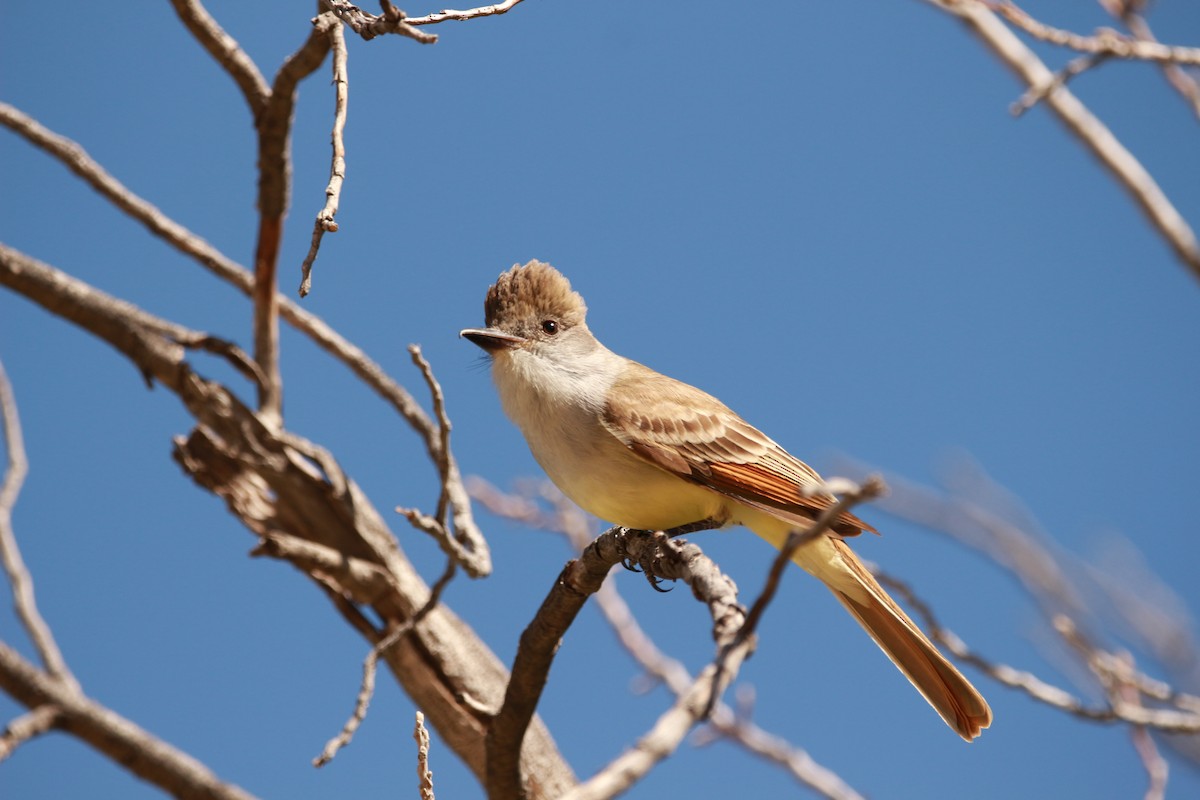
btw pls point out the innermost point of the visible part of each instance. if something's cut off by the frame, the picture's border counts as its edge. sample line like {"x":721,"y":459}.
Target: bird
{"x":644,"y":451}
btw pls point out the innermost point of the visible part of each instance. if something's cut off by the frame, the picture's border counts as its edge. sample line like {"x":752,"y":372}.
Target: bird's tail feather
{"x":939,"y":682}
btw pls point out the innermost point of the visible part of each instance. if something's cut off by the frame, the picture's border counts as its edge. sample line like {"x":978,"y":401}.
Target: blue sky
{"x":821,"y":213}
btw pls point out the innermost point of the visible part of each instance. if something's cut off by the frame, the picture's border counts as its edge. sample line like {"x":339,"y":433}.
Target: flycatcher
{"x":645,"y":451}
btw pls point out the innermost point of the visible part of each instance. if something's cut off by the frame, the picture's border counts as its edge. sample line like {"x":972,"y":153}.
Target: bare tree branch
{"x":1168,"y":720}
{"x":78,"y":161}
{"x":146,"y":756}
{"x":368,"y":26}
{"x":1035,"y":94}
{"x":568,"y":519}
{"x":225,"y":51}
{"x":1128,"y":12}
{"x":455,"y":534}
{"x":370,"y":666}
{"x":666,"y":559}
{"x":668,"y":731}
{"x":274,"y":128}
{"x":10,"y":554}
{"x":424,"y":775}
{"x":29,"y":725}
{"x":473,"y":13}
{"x":1157,"y":769}
{"x":1127,"y":170}
{"x":1105,"y":41}
{"x":274,"y":488}
{"x":337,"y":169}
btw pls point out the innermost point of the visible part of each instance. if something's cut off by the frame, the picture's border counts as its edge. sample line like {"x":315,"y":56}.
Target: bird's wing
{"x":690,"y":433}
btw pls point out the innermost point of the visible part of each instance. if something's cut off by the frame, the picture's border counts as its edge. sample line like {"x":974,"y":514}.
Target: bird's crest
{"x":535,"y":289}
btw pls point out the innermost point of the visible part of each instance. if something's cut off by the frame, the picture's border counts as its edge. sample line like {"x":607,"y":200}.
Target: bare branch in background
{"x":1095,"y":136}
{"x":1167,"y":720}
{"x":1104,"y":42}
{"x":1129,"y":12}
{"x":54,"y":696}
{"x":337,"y":169}
{"x":1036,"y":94}
{"x":75,"y":158}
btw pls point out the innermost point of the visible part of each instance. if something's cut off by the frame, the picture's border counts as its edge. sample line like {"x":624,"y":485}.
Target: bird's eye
{"x":550,"y":326}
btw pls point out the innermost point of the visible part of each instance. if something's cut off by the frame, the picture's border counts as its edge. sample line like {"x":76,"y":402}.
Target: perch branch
{"x":566,"y":518}
{"x":668,"y":559}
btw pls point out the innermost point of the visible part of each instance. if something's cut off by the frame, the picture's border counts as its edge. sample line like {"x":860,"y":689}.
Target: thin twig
{"x":424,"y":774}
{"x":1036,"y":94}
{"x":439,"y":413}
{"x":337,"y":168}
{"x":234,"y":355}
{"x":1157,"y":768}
{"x":14,"y":566}
{"x":852,"y":495}
{"x":723,"y":721}
{"x":368,"y":26}
{"x":29,"y":725}
{"x":668,"y":731}
{"x":274,"y":128}
{"x":1106,"y":41}
{"x":1127,"y":170}
{"x":670,"y":560}
{"x":473,"y":13}
{"x":1179,"y":78}
{"x":456,"y":536}
{"x":1168,"y":720}
{"x":366,"y":688}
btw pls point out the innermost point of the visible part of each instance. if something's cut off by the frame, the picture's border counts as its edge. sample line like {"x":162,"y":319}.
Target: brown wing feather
{"x":688,"y":432}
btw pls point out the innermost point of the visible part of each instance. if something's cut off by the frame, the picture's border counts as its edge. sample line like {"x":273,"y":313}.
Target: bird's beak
{"x":491,"y":339}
